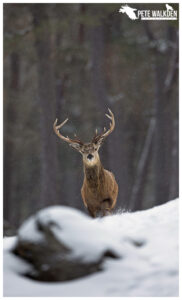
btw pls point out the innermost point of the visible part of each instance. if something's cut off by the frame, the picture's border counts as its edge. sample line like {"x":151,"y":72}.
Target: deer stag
{"x":100,"y":190}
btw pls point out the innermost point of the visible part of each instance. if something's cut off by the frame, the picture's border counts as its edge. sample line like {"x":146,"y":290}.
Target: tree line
{"x":76,"y":60}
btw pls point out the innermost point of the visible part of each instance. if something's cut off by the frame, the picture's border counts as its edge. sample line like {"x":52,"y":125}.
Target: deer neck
{"x":94,"y":174}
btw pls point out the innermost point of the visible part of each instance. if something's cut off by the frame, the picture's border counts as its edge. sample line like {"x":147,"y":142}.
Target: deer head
{"x":90,"y":150}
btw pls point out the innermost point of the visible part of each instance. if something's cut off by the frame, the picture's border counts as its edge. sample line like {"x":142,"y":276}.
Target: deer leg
{"x":92,"y":213}
{"x":106,"y":207}
{"x":106,"y":212}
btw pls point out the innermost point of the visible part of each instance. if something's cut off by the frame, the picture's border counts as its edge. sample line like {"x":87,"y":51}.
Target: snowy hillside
{"x":146,"y":244}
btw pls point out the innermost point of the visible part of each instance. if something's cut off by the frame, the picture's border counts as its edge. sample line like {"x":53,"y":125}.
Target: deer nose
{"x":90,"y":156}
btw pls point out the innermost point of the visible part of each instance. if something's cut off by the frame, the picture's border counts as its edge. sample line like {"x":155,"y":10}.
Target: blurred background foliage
{"x":76,"y":60}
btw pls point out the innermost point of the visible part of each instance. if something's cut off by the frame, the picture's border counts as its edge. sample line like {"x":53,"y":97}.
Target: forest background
{"x":76,"y":60}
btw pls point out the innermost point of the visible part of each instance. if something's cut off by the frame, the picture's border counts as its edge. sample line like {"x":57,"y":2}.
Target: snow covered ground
{"x":148,"y":263}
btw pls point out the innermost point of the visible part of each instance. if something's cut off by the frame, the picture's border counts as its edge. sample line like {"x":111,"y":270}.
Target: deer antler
{"x":66,"y":139}
{"x":100,"y":137}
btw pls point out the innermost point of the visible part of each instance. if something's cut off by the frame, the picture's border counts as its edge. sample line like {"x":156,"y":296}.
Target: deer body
{"x":100,"y":190}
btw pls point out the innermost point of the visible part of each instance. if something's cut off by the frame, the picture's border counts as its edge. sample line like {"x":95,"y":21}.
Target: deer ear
{"x":76,"y":146}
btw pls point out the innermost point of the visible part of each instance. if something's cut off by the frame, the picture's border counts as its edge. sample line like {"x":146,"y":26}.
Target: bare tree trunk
{"x":165,"y":73}
{"x":46,"y":99}
{"x":164,"y":130}
{"x":11,"y":208}
{"x":81,"y":29}
{"x":162,"y":137}
{"x":174,"y":191}
{"x":97,"y":61}
{"x":142,"y":169}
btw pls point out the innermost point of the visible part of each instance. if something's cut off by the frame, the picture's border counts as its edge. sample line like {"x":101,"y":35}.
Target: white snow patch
{"x":87,"y":239}
{"x":149,"y":269}
{"x":28,"y":231}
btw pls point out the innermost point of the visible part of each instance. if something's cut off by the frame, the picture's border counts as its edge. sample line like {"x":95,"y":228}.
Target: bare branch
{"x":173,"y":71}
{"x":21,"y":32}
{"x":149,"y":32}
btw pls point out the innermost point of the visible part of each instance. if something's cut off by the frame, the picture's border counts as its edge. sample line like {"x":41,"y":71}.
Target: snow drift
{"x":145,"y":242}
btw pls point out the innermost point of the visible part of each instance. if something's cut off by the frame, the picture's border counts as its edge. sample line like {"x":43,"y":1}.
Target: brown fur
{"x":100,"y":190}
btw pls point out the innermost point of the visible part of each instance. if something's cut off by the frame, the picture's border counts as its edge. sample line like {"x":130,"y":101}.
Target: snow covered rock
{"x":62,"y":243}
{"x":146,"y":243}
